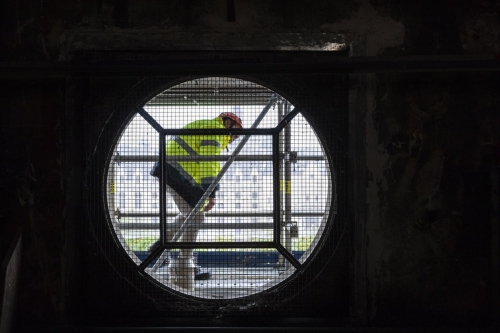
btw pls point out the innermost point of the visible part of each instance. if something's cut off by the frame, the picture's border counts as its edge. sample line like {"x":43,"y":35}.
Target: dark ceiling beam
{"x":252,"y":66}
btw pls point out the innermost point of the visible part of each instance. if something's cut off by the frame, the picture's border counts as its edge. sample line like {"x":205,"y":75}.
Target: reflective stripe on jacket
{"x":200,"y":172}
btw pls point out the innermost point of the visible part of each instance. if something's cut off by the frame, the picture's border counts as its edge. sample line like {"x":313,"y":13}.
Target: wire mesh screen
{"x":202,"y":210}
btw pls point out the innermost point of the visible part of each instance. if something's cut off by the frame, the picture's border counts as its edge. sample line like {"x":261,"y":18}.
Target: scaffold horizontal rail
{"x":154,"y":158}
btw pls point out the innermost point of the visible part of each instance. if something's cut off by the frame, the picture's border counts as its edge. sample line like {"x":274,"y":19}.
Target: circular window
{"x":209,"y":210}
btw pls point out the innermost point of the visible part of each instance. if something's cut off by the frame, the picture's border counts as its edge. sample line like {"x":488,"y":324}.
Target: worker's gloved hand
{"x":210,"y":204}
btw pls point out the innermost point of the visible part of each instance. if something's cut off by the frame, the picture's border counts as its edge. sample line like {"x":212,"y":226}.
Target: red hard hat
{"x":233,"y":117}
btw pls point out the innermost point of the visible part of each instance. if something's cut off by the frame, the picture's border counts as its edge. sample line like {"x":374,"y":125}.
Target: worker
{"x":187,"y":182}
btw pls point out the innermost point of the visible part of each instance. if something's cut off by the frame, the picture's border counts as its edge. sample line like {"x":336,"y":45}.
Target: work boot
{"x":198,"y":275}
{"x":181,"y":271}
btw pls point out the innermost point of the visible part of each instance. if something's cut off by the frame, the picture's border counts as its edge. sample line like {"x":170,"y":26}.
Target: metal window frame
{"x":106,"y":229}
{"x":277,"y":156}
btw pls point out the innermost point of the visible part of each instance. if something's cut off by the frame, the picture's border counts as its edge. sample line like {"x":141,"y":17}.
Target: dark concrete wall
{"x":431,"y":139}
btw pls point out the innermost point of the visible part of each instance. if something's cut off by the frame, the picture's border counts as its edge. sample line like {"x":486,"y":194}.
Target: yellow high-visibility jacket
{"x":198,"y":172}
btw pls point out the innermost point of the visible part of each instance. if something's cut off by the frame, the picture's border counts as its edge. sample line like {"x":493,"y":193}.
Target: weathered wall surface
{"x":32,"y":149}
{"x":431,"y":146}
{"x":430,"y":137}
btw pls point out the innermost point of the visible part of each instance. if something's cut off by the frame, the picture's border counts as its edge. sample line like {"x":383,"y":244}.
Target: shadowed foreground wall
{"x":432,"y":150}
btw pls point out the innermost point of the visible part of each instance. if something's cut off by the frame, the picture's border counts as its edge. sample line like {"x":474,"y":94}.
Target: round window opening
{"x":218,"y":188}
